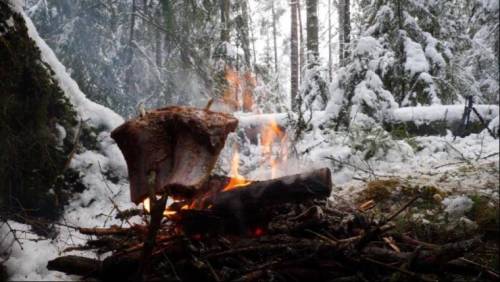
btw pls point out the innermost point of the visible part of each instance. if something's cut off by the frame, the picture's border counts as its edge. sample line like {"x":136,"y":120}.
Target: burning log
{"x":316,"y":184}
{"x":240,"y":209}
{"x":179,"y":144}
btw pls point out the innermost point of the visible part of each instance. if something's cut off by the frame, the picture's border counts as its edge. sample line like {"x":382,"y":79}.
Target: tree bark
{"x":312,"y":33}
{"x":131,"y":32}
{"x":294,"y":56}
{"x":275,"y":46}
{"x":225,"y":6}
{"x":330,"y":40}
{"x":244,"y":31}
{"x":158,"y":45}
{"x":302,"y":56}
{"x":168,"y":17}
{"x":344,"y":17}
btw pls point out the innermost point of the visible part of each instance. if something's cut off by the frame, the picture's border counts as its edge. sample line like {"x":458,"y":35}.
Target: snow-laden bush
{"x":405,"y":56}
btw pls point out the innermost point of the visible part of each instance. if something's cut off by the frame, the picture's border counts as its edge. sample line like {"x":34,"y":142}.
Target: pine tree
{"x":481,"y":59}
{"x":400,"y":59}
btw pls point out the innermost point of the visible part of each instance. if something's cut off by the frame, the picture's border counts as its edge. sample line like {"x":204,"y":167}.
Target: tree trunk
{"x":275,"y":46}
{"x":129,"y":53}
{"x":168,"y":17}
{"x":253,"y":38}
{"x":344,"y":15}
{"x":131,"y":32}
{"x":330,"y":40}
{"x":225,"y":6}
{"x":158,"y":45}
{"x":316,"y":87}
{"x":244,"y":30}
{"x":312,"y":33}
{"x":302,"y":57}
{"x":347,"y":30}
{"x":294,"y":56}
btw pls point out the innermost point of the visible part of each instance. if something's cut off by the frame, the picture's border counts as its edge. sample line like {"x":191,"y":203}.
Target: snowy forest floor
{"x":458,"y":180}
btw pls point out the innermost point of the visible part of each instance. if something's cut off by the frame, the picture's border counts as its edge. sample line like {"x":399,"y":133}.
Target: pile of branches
{"x":308,"y":241}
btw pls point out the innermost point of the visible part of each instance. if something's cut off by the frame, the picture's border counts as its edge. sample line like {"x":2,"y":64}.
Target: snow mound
{"x":457,"y":206}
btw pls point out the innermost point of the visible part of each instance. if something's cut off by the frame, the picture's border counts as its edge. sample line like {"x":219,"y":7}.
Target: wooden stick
{"x":404,"y":207}
{"x":157,"y":208}
{"x":113,"y":230}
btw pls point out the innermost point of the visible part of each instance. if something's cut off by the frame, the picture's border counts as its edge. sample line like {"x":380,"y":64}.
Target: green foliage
{"x":485,"y":213}
{"x":371,"y":141}
{"x":32,"y":106}
{"x":403,"y":130}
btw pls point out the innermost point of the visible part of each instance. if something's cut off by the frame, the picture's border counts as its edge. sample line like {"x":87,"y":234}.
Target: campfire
{"x":208,"y":227}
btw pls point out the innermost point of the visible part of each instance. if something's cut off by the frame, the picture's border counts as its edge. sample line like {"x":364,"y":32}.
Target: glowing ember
{"x":258,"y":232}
{"x":236,"y":179}
{"x":147,"y":206}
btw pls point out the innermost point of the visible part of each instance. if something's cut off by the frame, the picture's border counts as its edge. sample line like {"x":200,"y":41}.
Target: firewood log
{"x":267,"y":193}
{"x":242,"y":209}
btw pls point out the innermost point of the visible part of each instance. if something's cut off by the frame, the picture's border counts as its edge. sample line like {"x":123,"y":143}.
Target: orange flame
{"x":270,"y":134}
{"x":236,"y":179}
{"x":230,"y":97}
{"x":239,"y":88}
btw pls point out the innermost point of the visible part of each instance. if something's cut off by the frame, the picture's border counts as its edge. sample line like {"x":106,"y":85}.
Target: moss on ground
{"x":485,"y":213}
{"x":427,"y":221}
{"x":32,"y":106}
{"x":379,"y":190}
